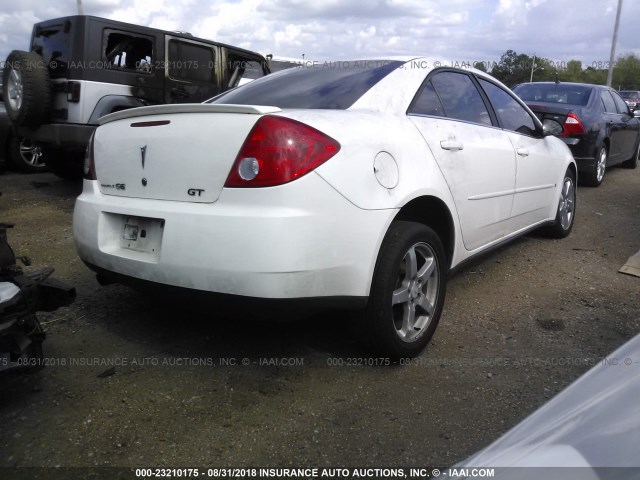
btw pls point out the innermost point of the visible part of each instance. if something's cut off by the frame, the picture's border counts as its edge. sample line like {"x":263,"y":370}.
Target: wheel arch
{"x":572,"y":166}
{"x":434,"y":213}
{"x":114,"y":103}
{"x":606,"y":141}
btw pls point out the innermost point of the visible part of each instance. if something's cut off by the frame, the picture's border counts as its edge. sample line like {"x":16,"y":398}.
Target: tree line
{"x":514,"y":68}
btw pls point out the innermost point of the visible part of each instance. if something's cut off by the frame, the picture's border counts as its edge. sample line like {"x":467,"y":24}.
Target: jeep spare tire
{"x":26,"y":88}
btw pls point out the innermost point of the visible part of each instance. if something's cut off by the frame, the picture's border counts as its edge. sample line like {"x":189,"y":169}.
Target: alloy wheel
{"x":566,"y":206}
{"x":602,"y":164}
{"x":416,"y":291}
{"x":31,"y":153}
{"x":15,"y":90}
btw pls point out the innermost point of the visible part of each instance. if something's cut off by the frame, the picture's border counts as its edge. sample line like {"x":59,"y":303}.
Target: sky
{"x":459,"y":31}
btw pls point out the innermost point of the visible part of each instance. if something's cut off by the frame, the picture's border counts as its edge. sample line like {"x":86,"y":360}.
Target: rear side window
{"x":510,"y":113}
{"x":125,"y":51}
{"x":460,"y":97}
{"x":189,"y":62}
{"x":609,"y":104}
{"x":329,"y":85}
{"x":427,"y":102}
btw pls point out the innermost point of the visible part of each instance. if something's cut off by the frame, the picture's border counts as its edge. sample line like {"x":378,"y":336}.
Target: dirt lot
{"x":517,"y":328}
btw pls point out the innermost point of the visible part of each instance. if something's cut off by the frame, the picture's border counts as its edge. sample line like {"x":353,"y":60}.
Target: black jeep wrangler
{"x":80,"y":68}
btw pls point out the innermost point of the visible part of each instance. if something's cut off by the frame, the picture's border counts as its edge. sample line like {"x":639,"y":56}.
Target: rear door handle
{"x":523,"y":152}
{"x":451,"y":144}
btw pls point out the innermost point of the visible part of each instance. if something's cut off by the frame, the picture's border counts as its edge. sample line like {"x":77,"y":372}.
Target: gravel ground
{"x":518,"y":326}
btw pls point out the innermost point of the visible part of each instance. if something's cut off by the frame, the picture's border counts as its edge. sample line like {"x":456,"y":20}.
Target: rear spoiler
{"x":187,"y":108}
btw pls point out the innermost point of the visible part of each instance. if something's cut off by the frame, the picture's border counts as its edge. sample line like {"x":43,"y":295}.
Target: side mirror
{"x":551,"y":127}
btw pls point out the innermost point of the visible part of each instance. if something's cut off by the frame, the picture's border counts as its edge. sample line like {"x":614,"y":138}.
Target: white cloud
{"x":464,"y":30}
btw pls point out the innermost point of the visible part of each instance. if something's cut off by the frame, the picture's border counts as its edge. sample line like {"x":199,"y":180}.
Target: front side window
{"x":251,"y":68}
{"x":241,"y":70}
{"x":621,"y":105}
{"x":461,"y":99}
{"x":511,"y":114}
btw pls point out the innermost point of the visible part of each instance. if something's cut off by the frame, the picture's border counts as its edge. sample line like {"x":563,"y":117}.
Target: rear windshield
{"x":51,"y":41}
{"x":325,"y":85}
{"x":554,"y":93}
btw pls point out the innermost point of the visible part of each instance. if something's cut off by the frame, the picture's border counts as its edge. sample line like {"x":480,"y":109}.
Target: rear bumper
{"x":66,"y":135}
{"x":297,"y":241}
{"x":570,"y":141}
{"x":229,"y":304}
{"x":585,"y":164}
{"x":583,"y":151}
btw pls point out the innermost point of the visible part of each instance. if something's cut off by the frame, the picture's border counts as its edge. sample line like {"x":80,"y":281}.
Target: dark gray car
{"x":598,"y":126}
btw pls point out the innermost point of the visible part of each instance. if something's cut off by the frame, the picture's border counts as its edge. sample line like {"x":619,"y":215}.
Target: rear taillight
{"x":279,"y":150}
{"x":89,"y":161}
{"x":572,"y":126}
{"x":73,"y":91}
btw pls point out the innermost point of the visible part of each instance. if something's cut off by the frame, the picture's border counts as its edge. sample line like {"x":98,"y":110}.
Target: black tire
{"x":26,"y":88}
{"x":565,"y":215}
{"x":633,"y":161}
{"x":382,"y":324}
{"x":26,"y":156}
{"x":67,"y":165}
{"x":595,"y":177}
{"x":33,"y":358}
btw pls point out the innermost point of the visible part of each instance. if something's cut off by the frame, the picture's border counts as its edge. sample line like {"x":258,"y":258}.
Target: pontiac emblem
{"x":143,"y":153}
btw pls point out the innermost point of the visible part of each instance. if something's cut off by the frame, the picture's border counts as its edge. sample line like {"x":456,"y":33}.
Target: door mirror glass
{"x":551,"y":127}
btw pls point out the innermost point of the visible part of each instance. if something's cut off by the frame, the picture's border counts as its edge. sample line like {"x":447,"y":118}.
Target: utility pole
{"x":533,"y":68}
{"x":612,"y":58}
{"x":533,"y":64}
{"x":80,"y":9}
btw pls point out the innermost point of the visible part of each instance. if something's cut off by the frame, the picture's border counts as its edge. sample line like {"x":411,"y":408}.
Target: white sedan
{"x":346,"y":184}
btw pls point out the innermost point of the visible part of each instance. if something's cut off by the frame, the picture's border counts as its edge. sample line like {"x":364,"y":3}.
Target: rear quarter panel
{"x":362,"y":136}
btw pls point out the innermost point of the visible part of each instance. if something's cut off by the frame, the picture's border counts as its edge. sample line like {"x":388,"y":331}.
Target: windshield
{"x":554,"y":93}
{"x":323,"y":85}
{"x":630,"y":94}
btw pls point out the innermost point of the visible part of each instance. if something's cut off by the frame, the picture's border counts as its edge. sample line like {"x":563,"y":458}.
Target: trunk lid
{"x":171,"y":152}
{"x":551,"y":111}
